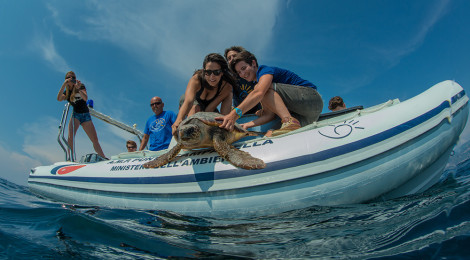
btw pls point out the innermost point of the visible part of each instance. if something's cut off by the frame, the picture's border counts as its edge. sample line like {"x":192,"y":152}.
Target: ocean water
{"x":432,"y":225}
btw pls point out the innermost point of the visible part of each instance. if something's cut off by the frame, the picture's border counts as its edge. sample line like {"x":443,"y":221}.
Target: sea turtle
{"x":201,"y":130}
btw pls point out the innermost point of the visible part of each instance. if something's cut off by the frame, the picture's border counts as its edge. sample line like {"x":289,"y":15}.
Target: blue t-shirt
{"x":283,"y":76}
{"x":159,"y":130}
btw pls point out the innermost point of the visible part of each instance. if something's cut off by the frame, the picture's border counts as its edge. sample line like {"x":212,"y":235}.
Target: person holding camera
{"x":75,"y":93}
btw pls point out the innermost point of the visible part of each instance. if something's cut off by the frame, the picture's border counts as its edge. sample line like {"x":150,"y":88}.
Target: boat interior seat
{"x":340,"y":112}
{"x":92,"y":158}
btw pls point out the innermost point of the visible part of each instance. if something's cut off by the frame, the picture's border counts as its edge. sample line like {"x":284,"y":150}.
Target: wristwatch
{"x":238,"y":111}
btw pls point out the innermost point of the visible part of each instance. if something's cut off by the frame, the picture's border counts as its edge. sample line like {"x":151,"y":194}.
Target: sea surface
{"x":431,"y":225}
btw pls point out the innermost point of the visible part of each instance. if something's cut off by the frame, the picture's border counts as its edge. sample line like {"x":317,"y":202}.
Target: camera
{"x":73,"y":80}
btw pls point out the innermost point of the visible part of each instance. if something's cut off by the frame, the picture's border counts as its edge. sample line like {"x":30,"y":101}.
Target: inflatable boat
{"x":386,"y":151}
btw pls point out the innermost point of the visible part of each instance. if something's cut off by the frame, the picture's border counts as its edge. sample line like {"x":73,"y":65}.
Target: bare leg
{"x":91,"y":132}
{"x":273,"y":102}
{"x":265,"y":117}
{"x":73,"y":127}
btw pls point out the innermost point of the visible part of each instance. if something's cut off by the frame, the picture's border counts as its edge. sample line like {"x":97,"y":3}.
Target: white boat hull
{"x":386,"y":151}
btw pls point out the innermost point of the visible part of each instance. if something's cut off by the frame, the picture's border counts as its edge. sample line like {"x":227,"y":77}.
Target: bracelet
{"x":238,"y":111}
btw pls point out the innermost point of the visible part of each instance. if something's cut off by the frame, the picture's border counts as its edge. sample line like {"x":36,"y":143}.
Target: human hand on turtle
{"x":174,"y":127}
{"x":228,"y":121}
{"x":247,"y":125}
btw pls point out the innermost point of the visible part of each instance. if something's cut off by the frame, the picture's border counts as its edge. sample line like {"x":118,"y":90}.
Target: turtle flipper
{"x":164,"y":158}
{"x":237,"y":157}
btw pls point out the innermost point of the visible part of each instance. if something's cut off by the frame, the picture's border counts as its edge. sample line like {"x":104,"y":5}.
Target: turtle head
{"x":189,"y":134}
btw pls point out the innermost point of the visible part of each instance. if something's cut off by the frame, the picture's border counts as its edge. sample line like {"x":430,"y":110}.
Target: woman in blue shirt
{"x":295,"y":100}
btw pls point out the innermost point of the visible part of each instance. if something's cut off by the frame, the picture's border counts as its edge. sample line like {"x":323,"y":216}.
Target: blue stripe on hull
{"x":328,"y":176}
{"x":274,"y":166}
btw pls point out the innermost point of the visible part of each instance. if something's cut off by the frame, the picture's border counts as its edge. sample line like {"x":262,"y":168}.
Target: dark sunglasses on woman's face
{"x":156,"y":103}
{"x":131,"y":147}
{"x":209,"y":72}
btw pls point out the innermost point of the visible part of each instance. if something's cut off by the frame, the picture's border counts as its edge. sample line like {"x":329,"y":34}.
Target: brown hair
{"x":245,"y":56}
{"x":335,"y":102}
{"x":216,"y":58}
{"x":130,"y":142}
{"x":236,"y":49}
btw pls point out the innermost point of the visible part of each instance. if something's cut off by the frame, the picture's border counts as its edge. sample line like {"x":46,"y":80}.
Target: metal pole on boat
{"x":73,"y":155}
{"x":111,"y":121}
{"x":63,"y":123}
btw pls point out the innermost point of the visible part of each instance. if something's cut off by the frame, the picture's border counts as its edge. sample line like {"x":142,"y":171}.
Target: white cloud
{"x":167,"y":36}
{"x":175,"y":34}
{"x":40,"y":147}
{"x":40,"y":140}
{"x":46,"y":47}
{"x":15,"y":166}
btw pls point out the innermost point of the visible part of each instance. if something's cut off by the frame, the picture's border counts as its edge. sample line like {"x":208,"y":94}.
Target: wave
{"x":434,"y":224}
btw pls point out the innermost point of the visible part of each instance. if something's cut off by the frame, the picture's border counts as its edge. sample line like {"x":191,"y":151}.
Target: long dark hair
{"x":226,"y":76}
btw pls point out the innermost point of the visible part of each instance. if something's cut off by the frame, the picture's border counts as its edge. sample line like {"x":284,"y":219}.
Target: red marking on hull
{"x":68,"y":169}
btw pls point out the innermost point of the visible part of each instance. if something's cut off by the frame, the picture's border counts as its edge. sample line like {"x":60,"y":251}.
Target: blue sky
{"x":129,"y":51}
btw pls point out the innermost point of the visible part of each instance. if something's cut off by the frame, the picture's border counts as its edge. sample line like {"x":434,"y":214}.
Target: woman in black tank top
{"x":75,"y":93}
{"x":207,"y":89}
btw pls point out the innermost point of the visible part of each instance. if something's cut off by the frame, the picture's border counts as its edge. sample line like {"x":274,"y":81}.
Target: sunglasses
{"x":215,"y":72}
{"x":131,"y":147}
{"x":155,"y":104}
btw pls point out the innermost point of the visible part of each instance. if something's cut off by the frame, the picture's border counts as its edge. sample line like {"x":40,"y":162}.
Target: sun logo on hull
{"x":341,"y":130}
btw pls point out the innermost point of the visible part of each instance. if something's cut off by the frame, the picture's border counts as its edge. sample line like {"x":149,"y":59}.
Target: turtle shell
{"x":198,"y":130}
{"x":201,"y":130}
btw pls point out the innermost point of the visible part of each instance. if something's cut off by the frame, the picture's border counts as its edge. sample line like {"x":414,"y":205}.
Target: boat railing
{"x":355,"y":112}
{"x":333,"y":114}
{"x":71,"y":156}
{"x":343,"y":117}
{"x":131,"y":129}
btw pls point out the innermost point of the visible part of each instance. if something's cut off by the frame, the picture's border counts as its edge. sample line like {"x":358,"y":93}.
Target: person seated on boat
{"x":158,"y":127}
{"x":210,"y":87}
{"x":282,"y":92}
{"x":244,"y":87}
{"x":131,"y":146}
{"x":336,"y":104}
{"x":75,"y":93}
